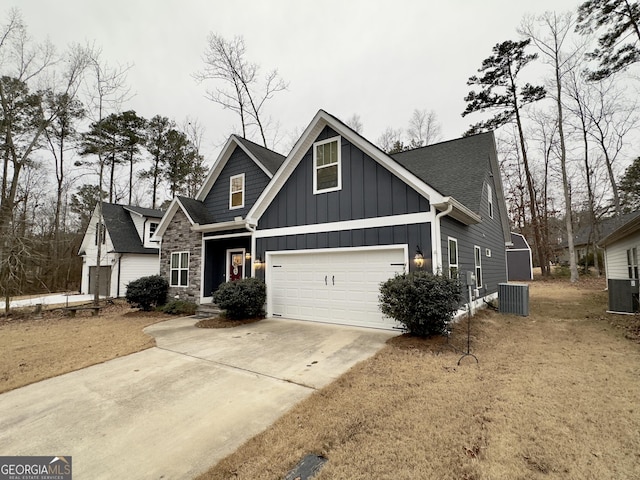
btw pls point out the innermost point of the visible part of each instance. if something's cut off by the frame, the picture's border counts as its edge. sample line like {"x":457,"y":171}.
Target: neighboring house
{"x":585,"y":237}
{"x":621,"y":248}
{"x":335,"y":218}
{"x":519,"y":259}
{"x":127,"y":251}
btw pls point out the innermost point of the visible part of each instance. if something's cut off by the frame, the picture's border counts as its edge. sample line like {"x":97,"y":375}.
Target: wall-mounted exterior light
{"x":418,"y":258}
{"x":257,"y":263}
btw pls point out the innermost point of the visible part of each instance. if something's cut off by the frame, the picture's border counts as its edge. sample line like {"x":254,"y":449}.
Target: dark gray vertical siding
{"x":487,"y":234}
{"x":623,"y":297}
{"x":411,"y":235}
{"x":255,"y":180}
{"x":368,"y":190}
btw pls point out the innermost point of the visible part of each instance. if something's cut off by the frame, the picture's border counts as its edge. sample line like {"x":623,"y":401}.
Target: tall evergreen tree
{"x":500,"y":91}
{"x":619,"y":43}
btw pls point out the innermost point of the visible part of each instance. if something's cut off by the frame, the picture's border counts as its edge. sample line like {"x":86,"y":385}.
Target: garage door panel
{"x":334,"y":287}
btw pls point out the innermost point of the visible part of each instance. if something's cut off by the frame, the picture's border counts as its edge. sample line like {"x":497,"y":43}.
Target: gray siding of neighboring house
{"x":255,"y":180}
{"x":412,"y":235}
{"x":368,"y":190}
{"x":487,"y":234}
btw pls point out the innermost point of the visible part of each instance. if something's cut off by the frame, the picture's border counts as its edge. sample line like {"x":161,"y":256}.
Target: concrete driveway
{"x":171,"y":411}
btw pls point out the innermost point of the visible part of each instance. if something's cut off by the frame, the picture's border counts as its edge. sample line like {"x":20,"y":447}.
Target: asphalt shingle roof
{"x":270,"y":159}
{"x":197,"y":211}
{"x":147,"y":212}
{"x":122,"y":231}
{"x":455,"y":168}
{"x":605,"y":228}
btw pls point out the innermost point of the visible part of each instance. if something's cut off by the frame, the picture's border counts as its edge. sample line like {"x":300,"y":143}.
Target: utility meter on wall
{"x":468,"y":278}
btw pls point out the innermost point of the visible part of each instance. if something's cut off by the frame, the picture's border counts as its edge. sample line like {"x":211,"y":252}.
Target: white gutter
{"x":438,"y":241}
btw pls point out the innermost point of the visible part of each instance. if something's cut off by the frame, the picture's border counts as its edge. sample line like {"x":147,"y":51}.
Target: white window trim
{"x":231,"y":192}
{"x":490,"y":199}
{"x":179,"y":269}
{"x":457,"y":264}
{"x":477,"y":257}
{"x":339,"y":164}
{"x":152,"y":232}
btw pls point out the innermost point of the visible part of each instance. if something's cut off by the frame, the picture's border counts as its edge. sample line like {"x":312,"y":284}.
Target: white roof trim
{"x":220,"y":163}
{"x":220,"y":226}
{"x":126,"y":207}
{"x":305,"y":142}
{"x":459,"y":212}
{"x":168,"y":216}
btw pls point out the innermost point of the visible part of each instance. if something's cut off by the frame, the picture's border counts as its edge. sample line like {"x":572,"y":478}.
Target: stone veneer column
{"x":179,"y":238}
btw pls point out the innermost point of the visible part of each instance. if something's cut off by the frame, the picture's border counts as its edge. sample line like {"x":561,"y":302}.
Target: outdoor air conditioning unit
{"x":513,"y":298}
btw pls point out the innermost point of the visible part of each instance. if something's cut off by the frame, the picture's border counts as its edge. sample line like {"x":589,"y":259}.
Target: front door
{"x":235,"y":264}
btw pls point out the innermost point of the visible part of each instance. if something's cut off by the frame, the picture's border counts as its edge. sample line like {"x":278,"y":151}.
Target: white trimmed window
{"x":179,"y":269}
{"x":236,"y":191}
{"x":453,"y":258}
{"x":153,"y":226}
{"x":477,"y":253}
{"x":490,"y":200}
{"x":327,"y":172}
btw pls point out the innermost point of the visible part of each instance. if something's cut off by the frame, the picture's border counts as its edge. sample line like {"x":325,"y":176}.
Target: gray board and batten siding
{"x":255,"y":180}
{"x":486,"y":235}
{"x":368,"y":191}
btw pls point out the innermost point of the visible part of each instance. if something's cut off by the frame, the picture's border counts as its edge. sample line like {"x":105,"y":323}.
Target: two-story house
{"x":127,"y":251}
{"x":335,"y":218}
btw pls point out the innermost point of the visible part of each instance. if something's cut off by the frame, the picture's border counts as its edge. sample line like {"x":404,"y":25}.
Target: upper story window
{"x":490,"y":200}
{"x":101,"y":231}
{"x":327,"y":176}
{"x":153,"y":226}
{"x":236,"y":191}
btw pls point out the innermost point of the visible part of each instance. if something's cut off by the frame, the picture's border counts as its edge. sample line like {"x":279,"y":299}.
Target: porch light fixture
{"x":257,"y":263}
{"x":247,"y":256}
{"x":418,"y":258}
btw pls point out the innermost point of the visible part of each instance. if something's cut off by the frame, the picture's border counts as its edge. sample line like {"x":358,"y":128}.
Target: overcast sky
{"x":377,"y":59}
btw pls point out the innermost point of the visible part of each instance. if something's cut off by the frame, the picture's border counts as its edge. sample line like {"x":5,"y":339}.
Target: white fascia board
{"x":220,"y":163}
{"x":168,"y":216}
{"x":255,"y":160}
{"x":376,"y":222}
{"x":459,"y":212}
{"x":217,"y":227}
{"x":85,"y":239}
{"x":305,"y":142}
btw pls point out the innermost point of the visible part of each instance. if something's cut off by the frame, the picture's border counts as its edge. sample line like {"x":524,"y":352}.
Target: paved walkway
{"x":172,"y":411}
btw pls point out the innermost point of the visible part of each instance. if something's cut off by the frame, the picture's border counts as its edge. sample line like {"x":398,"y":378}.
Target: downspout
{"x":252,"y":229}
{"x":119,"y":265}
{"x":438,"y":262}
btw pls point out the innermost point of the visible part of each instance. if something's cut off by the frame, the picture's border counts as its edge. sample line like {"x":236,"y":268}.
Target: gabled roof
{"x":122,"y":231}
{"x":194,"y":210}
{"x":442,"y":165}
{"x":145,"y":212}
{"x":606,"y":226}
{"x":620,"y":227}
{"x":267,"y":160}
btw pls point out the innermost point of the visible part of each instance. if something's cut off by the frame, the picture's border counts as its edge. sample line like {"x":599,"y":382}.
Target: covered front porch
{"x":225,"y":258}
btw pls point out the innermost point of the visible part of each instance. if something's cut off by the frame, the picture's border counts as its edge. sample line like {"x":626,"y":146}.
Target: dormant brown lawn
{"x":555,"y":395}
{"x":34,"y":349}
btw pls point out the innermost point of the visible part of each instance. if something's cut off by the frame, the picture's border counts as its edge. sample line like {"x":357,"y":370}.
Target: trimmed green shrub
{"x":179,"y":307}
{"x":422,"y":302}
{"x":241,"y":299}
{"x":147,"y":292}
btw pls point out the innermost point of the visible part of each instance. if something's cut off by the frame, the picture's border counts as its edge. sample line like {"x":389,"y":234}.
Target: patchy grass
{"x":35,"y":349}
{"x":554,"y":396}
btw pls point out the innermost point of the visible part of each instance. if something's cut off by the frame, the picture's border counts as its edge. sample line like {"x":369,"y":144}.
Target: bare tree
{"x":551,"y":42}
{"x":242,"y":90}
{"x":355,"y":123}
{"x":106,"y":88}
{"x":424,"y":128}
{"x":389,"y":139}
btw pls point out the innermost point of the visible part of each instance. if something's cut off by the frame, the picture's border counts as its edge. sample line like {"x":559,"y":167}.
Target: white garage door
{"x":335,"y":287}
